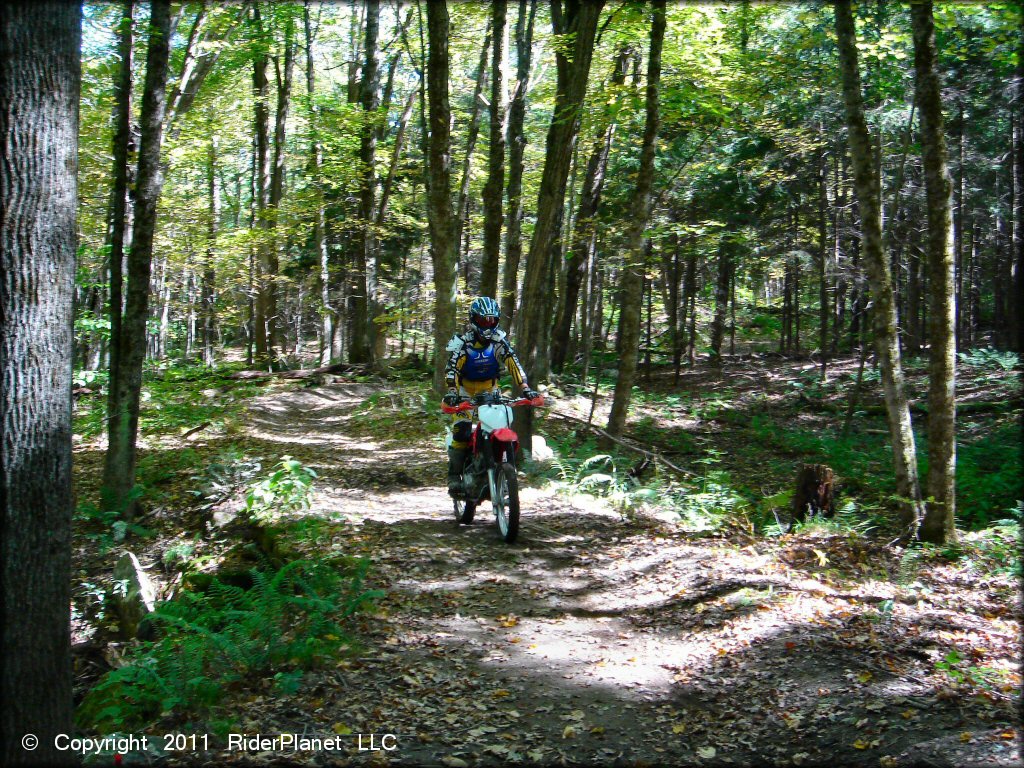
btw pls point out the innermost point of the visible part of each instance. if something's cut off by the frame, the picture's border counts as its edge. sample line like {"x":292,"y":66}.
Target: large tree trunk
{"x":472,"y":133}
{"x":939,"y":525}
{"x":209,"y":278}
{"x":868,"y":190}
{"x":264,"y":302}
{"x":363,"y":278}
{"x":495,"y":155}
{"x":439,"y":205}
{"x":119,"y":192}
{"x":823,"y":309}
{"x":517,"y":146}
{"x":633,"y":271}
{"x":277,"y":178}
{"x":725,"y":258}
{"x":576,"y":22}
{"x":1017,"y":269}
{"x":119,"y":469}
{"x":39,"y":93}
{"x":314,"y":168}
{"x":584,"y":236}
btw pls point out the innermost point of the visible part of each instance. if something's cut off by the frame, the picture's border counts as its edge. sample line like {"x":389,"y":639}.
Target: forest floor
{"x":602,"y":637}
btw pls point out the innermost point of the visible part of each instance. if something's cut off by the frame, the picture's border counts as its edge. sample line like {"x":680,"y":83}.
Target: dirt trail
{"x":601,"y":640}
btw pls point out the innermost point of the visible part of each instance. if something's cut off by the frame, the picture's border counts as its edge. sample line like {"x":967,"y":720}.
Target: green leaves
{"x":288,"y":489}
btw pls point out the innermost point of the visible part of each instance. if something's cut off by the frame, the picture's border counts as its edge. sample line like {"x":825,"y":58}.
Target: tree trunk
{"x":439,"y":205}
{"x":209,"y":270}
{"x":40,"y":78}
{"x":264,"y":301}
{"x":939,"y":524}
{"x":396,"y":156}
{"x":496,"y":155}
{"x":633,"y":270}
{"x":517,"y":146}
{"x":823,"y":246}
{"x":122,"y":119}
{"x":472,"y":132}
{"x":886,"y":340}
{"x":314,"y":166}
{"x":584,"y":236}
{"x":363,"y":279}
{"x":277,"y":179}
{"x":1017,"y":301}
{"x":576,"y":22}
{"x":725,"y":254}
{"x":690,"y":290}
{"x":119,"y":469}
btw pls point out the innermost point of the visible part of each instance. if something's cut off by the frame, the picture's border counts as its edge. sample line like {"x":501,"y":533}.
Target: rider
{"x":474,"y":366}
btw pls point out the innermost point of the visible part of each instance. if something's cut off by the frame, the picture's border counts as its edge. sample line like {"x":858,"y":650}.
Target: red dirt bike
{"x":490,"y":471}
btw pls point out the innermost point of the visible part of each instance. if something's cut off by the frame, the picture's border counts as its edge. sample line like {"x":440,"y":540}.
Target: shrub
{"x":289,"y":621}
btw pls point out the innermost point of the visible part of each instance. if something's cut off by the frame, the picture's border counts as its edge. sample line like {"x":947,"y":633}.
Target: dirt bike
{"x":490,"y":471}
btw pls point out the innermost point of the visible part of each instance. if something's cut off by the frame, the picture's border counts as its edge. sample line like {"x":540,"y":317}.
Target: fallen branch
{"x":192,"y":431}
{"x":643,"y":451}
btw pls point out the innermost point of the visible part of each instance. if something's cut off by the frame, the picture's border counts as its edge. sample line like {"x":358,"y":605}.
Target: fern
{"x":292,"y":616}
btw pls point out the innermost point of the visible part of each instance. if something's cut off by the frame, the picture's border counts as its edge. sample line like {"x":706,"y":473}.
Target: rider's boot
{"x":456,"y":464}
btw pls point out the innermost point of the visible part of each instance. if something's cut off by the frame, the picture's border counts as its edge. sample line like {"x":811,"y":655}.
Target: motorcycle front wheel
{"x":506,"y":502}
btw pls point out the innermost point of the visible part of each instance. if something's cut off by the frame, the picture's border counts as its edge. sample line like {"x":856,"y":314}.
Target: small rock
{"x":224,"y":513}
{"x":540,"y":453}
{"x":133,"y":595}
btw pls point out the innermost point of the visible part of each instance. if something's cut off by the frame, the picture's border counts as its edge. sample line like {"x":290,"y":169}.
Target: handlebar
{"x":469,"y":404}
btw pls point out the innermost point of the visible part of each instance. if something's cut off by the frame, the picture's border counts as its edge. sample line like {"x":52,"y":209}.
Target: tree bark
{"x":119,"y":469}
{"x":939,"y":524}
{"x":868,"y":190}
{"x":363,"y":282}
{"x":517,"y":146}
{"x":633,"y":271}
{"x":584,"y":236}
{"x":472,"y":133}
{"x":208,"y":292}
{"x":264,"y":302}
{"x":40,"y":79}
{"x":277,"y":183}
{"x":576,"y":23}
{"x":725,"y":255}
{"x":823,"y":246}
{"x":1017,"y":302}
{"x":439,"y":204}
{"x":119,"y":192}
{"x":495,"y":155}
{"x":315,"y":170}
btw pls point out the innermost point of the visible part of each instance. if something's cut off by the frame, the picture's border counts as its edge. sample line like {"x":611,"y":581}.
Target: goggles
{"x":485,"y":321}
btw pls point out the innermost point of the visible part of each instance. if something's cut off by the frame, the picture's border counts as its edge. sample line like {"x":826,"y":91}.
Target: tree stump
{"x":814,"y":492}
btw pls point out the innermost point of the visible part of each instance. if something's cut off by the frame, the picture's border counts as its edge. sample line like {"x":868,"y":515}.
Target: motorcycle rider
{"x":474,"y":366}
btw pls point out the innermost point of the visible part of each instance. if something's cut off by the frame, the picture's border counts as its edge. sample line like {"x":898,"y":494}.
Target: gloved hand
{"x":452,"y":398}
{"x":530,"y":394}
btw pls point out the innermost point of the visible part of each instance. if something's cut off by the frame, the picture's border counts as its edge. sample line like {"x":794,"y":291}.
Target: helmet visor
{"x":485,"y":321}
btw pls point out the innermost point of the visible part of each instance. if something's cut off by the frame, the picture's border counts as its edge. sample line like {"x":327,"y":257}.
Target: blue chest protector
{"x":481,"y":364}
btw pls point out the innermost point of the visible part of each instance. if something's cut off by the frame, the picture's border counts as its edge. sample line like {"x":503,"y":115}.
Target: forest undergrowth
{"x":312,"y":580}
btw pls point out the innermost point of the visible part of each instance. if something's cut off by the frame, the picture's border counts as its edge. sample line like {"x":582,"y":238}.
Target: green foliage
{"x":957,"y":668}
{"x":987,"y":357}
{"x":107,"y":527}
{"x":989,"y":482}
{"x":290,"y":620}
{"x":286,"y":490}
{"x":229,"y":470}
